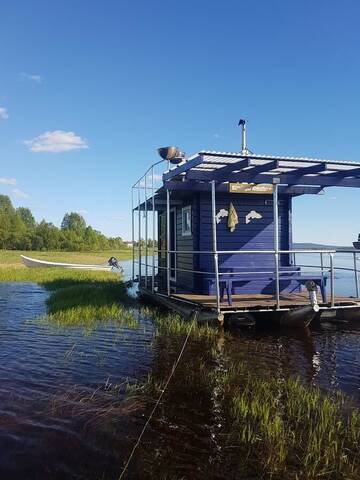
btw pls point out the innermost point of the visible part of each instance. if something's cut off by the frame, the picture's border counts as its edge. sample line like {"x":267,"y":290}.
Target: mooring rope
{"x":158,"y":400}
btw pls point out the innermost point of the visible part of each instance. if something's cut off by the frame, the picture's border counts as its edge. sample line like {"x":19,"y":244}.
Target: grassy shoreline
{"x":13,"y":270}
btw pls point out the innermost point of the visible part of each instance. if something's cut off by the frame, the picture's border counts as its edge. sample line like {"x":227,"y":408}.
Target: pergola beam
{"x":345,"y":173}
{"x":224,"y":187}
{"x":265,"y":167}
{"x":320,"y":167}
{"x":284,"y":178}
{"x":183,"y":168}
{"x":234,"y":166}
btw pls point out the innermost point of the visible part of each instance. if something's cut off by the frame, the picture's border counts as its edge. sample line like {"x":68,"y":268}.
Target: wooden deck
{"x":261,"y":301}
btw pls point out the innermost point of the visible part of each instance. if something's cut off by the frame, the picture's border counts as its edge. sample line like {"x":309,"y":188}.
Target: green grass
{"x":87,"y":298}
{"x":293,"y":431}
{"x":77,"y":298}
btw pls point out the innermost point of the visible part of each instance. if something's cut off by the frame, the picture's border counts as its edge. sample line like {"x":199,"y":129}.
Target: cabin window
{"x":186,"y":220}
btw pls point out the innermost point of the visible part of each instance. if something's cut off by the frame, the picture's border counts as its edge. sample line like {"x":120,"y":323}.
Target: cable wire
{"x":158,"y":400}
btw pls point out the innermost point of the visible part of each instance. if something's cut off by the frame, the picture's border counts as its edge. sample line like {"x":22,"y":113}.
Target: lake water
{"x":56,"y":420}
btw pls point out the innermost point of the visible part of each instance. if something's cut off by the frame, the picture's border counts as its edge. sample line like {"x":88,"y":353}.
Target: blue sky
{"x":103,"y":84}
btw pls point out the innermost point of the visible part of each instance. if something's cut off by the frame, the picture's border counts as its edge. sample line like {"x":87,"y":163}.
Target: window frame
{"x":184,"y":210}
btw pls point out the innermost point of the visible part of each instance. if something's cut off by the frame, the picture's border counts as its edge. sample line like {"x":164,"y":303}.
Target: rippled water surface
{"x":56,"y":420}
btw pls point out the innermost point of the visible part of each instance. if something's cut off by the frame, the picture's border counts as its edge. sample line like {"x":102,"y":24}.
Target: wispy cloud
{"x":16,"y":192}
{"x":29,"y":76}
{"x":3,"y":113}
{"x":7,"y":181}
{"x":56,"y":142}
{"x":217,"y":135}
{"x":83,"y":212}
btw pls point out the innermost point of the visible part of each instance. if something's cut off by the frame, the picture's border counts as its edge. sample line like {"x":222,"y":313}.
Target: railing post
{"x":214,"y":239}
{"x":168,"y":240}
{"x":356,"y":276}
{"x":132,"y":235}
{"x":276,"y":241}
{"x":139,"y":235}
{"x":332,"y":279}
{"x":153,"y":231}
{"x":146,"y":232}
{"x":322,"y":263}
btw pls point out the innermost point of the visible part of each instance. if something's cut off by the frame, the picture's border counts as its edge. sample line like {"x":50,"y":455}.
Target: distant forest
{"x":20,"y":231}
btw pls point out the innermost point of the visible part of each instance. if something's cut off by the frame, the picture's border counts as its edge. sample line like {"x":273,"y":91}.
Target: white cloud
{"x":34,"y":78}
{"x":3,"y":113}
{"x":56,"y":142}
{"x":8,"y":181}
{"x":217,"y":135}
{"x":19,"y":193}
{"x":82,"y":212}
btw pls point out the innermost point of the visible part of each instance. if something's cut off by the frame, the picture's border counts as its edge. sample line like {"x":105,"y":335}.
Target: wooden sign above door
{"x":257,"y":188}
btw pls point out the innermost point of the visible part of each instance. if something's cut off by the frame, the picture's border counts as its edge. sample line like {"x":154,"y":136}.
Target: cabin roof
{"x":225,"y":167}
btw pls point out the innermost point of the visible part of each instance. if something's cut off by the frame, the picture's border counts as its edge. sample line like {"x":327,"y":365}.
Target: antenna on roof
{"x":244,"y":149}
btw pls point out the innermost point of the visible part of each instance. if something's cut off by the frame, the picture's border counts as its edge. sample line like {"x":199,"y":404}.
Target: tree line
{"x":20,"y":231}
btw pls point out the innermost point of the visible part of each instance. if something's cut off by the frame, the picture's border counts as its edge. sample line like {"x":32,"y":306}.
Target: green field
{"x":11,"y":258}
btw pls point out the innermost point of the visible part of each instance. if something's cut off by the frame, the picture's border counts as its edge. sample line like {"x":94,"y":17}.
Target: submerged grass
{"x":85,"y":299}
{"x":269,"y":428}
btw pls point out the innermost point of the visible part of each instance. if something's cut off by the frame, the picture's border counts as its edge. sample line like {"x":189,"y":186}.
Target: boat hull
{"x":35,"y":263}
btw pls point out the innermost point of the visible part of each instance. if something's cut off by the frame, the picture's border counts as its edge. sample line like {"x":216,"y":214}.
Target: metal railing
{"x":146,"y":185}
{"x":324,"y":268}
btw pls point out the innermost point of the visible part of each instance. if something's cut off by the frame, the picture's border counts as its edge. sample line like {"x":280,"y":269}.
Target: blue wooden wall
{"x":258,"y":234}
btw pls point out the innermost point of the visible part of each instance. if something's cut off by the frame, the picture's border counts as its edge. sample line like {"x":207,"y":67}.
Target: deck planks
{"x":246,"y":301}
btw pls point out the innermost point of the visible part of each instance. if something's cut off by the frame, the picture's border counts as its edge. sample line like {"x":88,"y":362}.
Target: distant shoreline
{"x":323,"y":247}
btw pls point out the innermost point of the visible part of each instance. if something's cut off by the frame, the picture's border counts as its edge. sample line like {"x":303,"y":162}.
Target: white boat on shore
{"x":111,"y":266}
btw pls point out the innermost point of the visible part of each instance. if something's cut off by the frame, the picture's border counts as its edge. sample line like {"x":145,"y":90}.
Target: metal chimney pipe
{"x":242,"y":123}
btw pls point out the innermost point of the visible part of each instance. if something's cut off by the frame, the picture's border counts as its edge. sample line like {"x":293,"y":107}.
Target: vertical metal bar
{"x":214,"y":239}
{"x":146,"y":233}
{"x":153,"y":231}
{"x":132,"y":234}
{"x":322,"y":262}
{"x":276,"y":242}
{"x":139,"y":235}
{"x":332,"y":279}
{"x":356,"y":276}
{"x":168,"y":241}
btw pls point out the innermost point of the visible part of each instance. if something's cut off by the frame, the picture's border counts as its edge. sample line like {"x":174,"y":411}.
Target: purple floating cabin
{"x":220,"y":231}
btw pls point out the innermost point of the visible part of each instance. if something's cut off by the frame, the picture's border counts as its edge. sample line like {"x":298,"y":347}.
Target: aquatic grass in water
{"x":173,"y":323}
{"x":294,"y":431}
{"x":85,"y":300}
